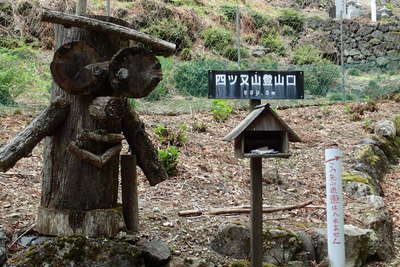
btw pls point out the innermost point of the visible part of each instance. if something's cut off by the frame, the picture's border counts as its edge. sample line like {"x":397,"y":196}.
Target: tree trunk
{"x":76,"y":191}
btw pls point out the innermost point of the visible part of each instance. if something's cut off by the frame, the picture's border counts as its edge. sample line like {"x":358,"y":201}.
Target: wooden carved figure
{"x":94,"y":71}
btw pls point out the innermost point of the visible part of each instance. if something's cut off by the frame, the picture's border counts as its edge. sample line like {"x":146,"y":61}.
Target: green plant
{"x":216,"y":38}
{"x":221,"y":110}
{"x":274,"y":43}
{"x":292,"y":18}
{"x":186,"y":54}
{"x":320,"y":78}
{"x":172,"y":31}
{"x":354,"y":72}
{"x":307,"y":54}
{"x":229,"y":12}
{"x":338,"y":96}
{"x":288,"y":31}
{"x":191,"y":78}
{"x":18,"y":72}
{"x":260,"y":20}
{"x":249,"y":39}
{"x":368,"y":125}
{"x":169,"y":159}
{"x":199,"y":127}
{"x":170,"y":137}
{"x":231,"y":53}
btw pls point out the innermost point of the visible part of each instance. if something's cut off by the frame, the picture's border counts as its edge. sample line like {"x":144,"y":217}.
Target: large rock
{"x":155,"y":253}
{"x":360,"y":184}
{"x":80,"y":251}
{"x":357,"y":243}
{"x":280,"y":246}
{"x":3,"y":248}
{"x":374,"y":215}
{"x":371,"y":159}
{"x":232,"y":240}
{"x":385,"y":128}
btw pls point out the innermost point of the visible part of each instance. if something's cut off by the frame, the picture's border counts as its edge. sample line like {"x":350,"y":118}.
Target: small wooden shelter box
{"x":262,"y":134}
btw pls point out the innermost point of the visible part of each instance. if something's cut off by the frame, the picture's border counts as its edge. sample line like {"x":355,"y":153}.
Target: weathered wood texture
{"x":130,"y":205}
{"x":93,"y":223}
{"x":68,"y":182}
{"x":107,"y":108}
{"x":141,"y":145}
{"x":158,"y":46}
{"x":44,"y":125}
{"x":76,"y":69}
{"x":134,"y":72}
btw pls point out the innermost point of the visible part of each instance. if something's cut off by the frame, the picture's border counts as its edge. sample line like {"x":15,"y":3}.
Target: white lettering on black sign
{"x":256,"y":84}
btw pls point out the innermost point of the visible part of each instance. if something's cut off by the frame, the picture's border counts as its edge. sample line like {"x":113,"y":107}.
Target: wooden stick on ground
{"x":239,"y":210}
{"x":43,"y":125}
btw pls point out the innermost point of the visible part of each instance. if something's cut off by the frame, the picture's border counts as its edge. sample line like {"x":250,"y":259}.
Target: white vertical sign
{"x":373,"y":10}
{"x":334,"y":207}
{"x":339,"y":8}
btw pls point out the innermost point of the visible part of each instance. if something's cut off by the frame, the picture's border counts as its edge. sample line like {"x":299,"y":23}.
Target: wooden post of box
{"x":262,"y":134}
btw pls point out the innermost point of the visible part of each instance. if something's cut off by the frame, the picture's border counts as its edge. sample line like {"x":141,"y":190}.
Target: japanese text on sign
{"x":256,"y":84}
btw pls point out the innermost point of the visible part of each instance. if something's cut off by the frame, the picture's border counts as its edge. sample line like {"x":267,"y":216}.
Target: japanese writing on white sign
{"x":256,"y":84}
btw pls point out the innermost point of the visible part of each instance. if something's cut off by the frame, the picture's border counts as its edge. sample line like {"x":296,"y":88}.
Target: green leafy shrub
{"x":259,"y":19}
{"x":172,"y":31}
{"x":217,"y":38}
{"x":17,"y":73}
{"x":292,"y":18}
{"x":231,"y":53}
{"x":319,"y":79}
{"x":169,"y":159}
{"x":354,"y":72}
{"x":307,"y":54}
{"x":191,"y":78}
{"x":170,"y":137}
{"x":274,"y":43}
{"x":288,"y":31}
{"x":221,"y":110}
{"x":186,"y":54}
{"x":229,"y":12}
{"x":249,"y":39}
{"x":338,"y":96}
{"x":199,"y":127}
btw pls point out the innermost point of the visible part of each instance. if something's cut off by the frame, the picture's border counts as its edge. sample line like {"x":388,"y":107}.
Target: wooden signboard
{"x":255,"y":84}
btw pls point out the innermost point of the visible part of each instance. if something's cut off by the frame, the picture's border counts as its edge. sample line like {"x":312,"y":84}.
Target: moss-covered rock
{"x":79,"y":250}
{"x":359,"y":184}
{"x":389,"y":146}
{"x":372,"y":160}
{"x":280,"y":245}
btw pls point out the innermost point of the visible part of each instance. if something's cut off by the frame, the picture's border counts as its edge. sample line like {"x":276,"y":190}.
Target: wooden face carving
{"x":132,"y":72}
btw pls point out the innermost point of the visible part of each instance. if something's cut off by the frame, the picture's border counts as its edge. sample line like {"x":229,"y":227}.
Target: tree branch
{"x":240,"y":210}
{"x":43,"y":125}
{"x":140,"y":143}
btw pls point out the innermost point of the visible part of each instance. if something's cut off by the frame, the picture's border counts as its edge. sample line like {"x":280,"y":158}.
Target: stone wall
{"x":362,"y":42}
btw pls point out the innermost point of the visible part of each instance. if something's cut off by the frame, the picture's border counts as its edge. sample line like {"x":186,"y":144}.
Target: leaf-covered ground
{"x":209,"y":176}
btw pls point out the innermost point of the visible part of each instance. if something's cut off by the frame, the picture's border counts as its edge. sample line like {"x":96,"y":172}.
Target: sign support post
{"x":256,"y":229}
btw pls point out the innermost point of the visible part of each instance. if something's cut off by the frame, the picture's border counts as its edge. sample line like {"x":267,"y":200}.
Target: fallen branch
{"x":240,"y":210}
